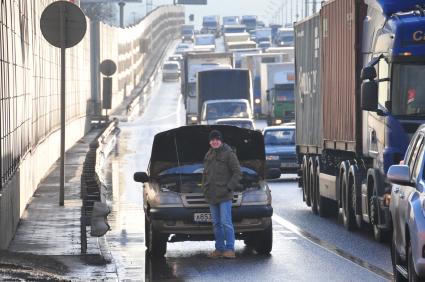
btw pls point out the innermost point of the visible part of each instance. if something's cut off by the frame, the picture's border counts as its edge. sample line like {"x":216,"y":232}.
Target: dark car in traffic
{"x":407,"y":209}
{"x":174,"y":204}
{"x":280,"y":148}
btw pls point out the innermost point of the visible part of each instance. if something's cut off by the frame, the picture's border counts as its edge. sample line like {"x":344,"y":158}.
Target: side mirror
{"x":370,"y":96}
{"x":399,"y":174}
{"x":141,"y":177}
{"x":368,"y":73}
{"x":273,"y":173}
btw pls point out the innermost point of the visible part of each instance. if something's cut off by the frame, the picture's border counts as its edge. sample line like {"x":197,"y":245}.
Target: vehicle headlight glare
{"x":194,"y":118}
{"x":167,"y":198}
{"x":257,"y":101}
{"x":272,"y":158}
{"x":278,"y":121}
{"x":258,"y":196}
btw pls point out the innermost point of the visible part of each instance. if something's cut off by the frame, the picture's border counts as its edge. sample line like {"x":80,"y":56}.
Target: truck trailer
{"x":359,"y":99}
{"x":229,"y":90}
{"x":192,"y":64}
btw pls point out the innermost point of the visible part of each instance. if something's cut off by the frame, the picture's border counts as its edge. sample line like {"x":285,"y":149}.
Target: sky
{"x":266,"y":10}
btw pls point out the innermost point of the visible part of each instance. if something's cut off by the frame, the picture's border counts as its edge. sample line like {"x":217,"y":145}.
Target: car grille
{"x":197,"y":200}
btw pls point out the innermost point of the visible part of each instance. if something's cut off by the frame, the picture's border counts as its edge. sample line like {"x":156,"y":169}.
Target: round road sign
{"x":108,"y":67}
{"x":63,"y":24}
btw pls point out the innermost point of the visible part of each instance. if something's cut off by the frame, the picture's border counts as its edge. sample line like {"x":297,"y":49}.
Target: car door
{"x":398,"y":220}
{"x":406,"y":191}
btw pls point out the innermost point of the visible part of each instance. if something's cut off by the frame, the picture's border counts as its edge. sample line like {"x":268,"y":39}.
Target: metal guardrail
{"x":91,"y":184}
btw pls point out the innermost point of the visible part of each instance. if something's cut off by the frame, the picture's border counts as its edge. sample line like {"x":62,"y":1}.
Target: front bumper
{"x":290,"y":167}
{"x":170,"y":76}
{"x":181,"y":220}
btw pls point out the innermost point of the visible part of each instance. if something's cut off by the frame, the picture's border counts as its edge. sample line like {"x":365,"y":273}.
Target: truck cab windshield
{"x":408,"y":90}
{"x":220,"y":110}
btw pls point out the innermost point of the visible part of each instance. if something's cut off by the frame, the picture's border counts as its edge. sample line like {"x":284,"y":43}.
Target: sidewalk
{"x":50,"y":231}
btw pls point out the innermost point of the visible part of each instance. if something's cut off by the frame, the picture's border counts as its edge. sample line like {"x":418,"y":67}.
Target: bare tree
{"x":104,"y":12}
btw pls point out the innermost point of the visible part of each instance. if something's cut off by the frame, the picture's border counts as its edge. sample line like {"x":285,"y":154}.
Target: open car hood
{"x":189,"y":144}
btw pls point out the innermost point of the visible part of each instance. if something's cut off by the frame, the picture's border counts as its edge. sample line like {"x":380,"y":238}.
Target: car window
{"x":280,"y":137}
{"x":414,"y":155}
{"x":411,"y":149}
{"x":419,"y":162}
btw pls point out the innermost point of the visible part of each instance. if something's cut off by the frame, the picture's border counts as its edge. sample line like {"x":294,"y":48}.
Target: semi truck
{"x":211,"y":25}
{"x":192,"y":64}
{"x":253,"y":63}
{"x":359,"y":99}
{"x":250,"y":21}
{"x":224,"y":93}
{"x":277,"y":92}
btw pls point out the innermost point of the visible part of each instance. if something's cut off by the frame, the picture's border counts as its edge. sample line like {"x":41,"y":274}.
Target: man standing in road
{"x":221,"y":176}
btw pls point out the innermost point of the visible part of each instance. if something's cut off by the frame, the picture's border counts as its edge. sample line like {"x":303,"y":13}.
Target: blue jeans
{"x":221,"y":215}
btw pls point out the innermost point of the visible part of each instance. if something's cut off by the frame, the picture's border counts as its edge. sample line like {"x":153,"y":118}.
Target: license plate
{"x":202,"y":217}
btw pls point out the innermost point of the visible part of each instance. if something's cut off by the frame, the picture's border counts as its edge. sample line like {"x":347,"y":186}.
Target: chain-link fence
{"x":30,"y":72}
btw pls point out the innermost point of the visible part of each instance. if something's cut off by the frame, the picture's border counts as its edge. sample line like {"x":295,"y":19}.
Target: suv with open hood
{"x":174,"y":205}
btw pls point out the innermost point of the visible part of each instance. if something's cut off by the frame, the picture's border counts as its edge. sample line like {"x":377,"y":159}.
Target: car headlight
{"x":278,"y":121}
{"x":166,"y":199}
{"x":194,"y":118}
{"x":257,"y":101}
{"x":272,"y":158}
{"x":256,"y":197}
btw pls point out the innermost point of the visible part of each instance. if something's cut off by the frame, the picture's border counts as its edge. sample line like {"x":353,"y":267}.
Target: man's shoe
{"x":215,"y":255}
{"x":229,"y":254}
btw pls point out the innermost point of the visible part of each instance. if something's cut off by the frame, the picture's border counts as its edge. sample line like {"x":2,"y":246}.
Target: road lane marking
{"x":332,"y":248}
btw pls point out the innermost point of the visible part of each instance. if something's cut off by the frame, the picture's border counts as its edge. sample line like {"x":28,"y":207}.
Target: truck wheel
{"x":264,"y":241}
{"x":313,"y":188}
{"x":396,"y":260}
{"x":157,"y":242}
{"x":306,"y":188}
{"x":411,"y":272}
{"x":347,"y":207}
{"x":379,"y":235}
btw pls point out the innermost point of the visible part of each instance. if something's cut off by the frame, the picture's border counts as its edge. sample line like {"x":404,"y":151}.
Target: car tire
{"x":396,"y":260}
{"x":348,"y":217}
{"x":156,"y":242}
{"x":264,"y":241}
{"x":413,"y":276}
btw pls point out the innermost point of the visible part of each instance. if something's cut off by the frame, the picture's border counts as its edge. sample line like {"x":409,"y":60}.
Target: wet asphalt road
{"x":306,"y":247}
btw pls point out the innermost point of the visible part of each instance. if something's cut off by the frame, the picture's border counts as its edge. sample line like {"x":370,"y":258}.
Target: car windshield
{"x":279,"y":137}
{"x":210,"y":24}
{"x":226,"y":110}
{"x":187,"y":32}
{"x":241,"y":124}
{"x":170,"y":67}
{"x":205,"y":40}
{"x":234,"y":30}
{"x":408,"y":90}
{"x":183,"y":46}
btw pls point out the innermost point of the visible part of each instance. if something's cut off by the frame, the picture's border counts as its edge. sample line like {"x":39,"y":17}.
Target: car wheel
{"x":413,"y":276}
{"x":347,"y":207}
{"x":396,"y":260}
{"x":264,"y":241}
{"x":157,"y":242}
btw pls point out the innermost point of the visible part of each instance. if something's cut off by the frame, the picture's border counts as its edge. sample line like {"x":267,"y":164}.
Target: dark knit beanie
{"x":215,"y":134}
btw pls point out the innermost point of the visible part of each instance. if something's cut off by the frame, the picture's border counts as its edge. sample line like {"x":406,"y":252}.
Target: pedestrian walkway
{"x":47,"y":228}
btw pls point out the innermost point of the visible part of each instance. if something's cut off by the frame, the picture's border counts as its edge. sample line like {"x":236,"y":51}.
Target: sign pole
{"x":62,"y":101}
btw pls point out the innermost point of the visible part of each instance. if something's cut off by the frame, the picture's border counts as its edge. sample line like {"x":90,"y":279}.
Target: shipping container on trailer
{"x":308,"y":98}
{"x":341,"y":38}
